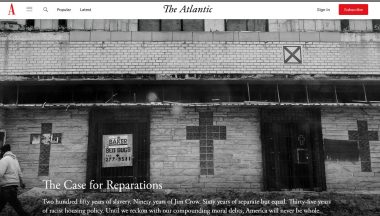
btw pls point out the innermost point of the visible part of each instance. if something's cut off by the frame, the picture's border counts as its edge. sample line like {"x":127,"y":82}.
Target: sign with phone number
{"x":117,"y":150}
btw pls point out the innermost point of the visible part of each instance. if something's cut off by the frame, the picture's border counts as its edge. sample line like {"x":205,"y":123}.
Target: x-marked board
{"x":292,"y":54}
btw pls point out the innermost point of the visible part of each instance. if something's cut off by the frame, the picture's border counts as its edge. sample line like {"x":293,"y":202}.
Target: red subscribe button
{"x":353,"y":9}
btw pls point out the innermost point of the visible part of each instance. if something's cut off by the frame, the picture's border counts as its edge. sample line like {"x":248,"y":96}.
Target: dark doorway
{"x":292,"y":149}
{"x":119,"y":122}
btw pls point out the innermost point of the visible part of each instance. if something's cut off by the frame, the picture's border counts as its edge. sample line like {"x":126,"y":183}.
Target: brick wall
{"x":175,"y":160}
{"x":347,"y":175}
{"x":67,"y":160}
{"x":193,"y":53}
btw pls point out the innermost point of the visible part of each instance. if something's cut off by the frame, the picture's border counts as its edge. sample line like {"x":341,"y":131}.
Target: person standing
{"x":10,"y":179}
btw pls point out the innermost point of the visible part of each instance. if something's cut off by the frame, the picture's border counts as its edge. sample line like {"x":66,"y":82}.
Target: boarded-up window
{"x":236,"y":25}
{"x":376,"y":25}
{"x":171,"y":25}
{"x":29,"y":23}
{"x":246,"y":25}
{"x":343,"y":150}
{"x":372,"y":92}
{"x":149,"y":25}
{"x":62,"y":24}
{"x":345,"y":25}
{"x":193,"y":25}
{"x":257,"y":25}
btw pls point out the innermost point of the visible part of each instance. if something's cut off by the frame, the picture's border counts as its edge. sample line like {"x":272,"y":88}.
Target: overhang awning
{"x":172,"y":104}
{"x":189,"y":94}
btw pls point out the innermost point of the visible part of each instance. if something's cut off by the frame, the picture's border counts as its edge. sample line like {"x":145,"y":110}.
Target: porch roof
{"x":67,"y":106}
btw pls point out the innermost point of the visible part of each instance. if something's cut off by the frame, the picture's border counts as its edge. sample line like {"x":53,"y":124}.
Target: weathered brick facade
{"x":347,"y":175}
{"x":67,"y":160}
{"x":175,"y":159}
{"x":204,"y":52}
{"x":237,"y":160}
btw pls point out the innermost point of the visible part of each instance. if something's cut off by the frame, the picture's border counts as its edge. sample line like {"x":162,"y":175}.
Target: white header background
{"x":155,"y":10}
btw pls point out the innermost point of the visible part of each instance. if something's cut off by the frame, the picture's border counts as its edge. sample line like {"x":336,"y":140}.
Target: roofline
{"x":168,"y":104}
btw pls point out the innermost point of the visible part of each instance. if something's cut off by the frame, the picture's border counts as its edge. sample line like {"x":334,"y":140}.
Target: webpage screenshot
{"x":190,"y":108}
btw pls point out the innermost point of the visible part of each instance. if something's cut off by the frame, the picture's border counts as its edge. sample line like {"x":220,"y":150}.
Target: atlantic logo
{"x":11,"y":11}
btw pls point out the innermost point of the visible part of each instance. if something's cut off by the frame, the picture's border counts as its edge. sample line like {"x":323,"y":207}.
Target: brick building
{"x":211,"y":104}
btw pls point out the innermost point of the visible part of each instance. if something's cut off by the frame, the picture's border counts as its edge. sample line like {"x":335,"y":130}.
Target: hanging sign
{"x":117,"y":150}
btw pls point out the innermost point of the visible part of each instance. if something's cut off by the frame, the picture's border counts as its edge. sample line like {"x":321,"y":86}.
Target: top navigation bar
{"x":192,"y":1}
{"x":189,"y":10}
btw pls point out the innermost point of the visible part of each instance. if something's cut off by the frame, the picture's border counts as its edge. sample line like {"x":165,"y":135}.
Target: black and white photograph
{"x":189,"y":116}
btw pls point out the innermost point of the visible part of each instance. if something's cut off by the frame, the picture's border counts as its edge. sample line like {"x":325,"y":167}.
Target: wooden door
{"x":291,"y":152}
{"x":135,"y":124}
{"x":302,"y":156}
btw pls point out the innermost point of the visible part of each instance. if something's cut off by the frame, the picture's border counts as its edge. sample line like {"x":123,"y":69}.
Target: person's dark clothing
{"x":10,"y":179}
{"x":8,"y":194}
